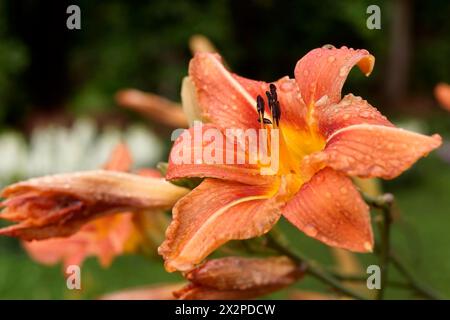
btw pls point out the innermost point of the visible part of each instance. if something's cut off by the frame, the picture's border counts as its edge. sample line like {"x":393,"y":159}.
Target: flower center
{"x":294,"y":143}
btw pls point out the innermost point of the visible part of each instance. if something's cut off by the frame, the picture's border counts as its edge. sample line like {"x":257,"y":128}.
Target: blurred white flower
{"x":57,"y":149}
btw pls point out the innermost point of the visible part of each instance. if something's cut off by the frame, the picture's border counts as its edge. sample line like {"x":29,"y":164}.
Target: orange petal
{"x":442,"y":94}
{"x":106,"y":238}
{"x":102,"y":185}
{"x":323,"y":71}
{"x":155,"y":292}
{"x":330,"y":209}
{"x":189,"y":157}
{"x":349,"y":111}
{"x":374,"y":151}
{"x":224,"y":101}
{"x":294,"y":111}
{"x":214,"y":213}
{"x":120,"y":159}
{"x":59,"y":205}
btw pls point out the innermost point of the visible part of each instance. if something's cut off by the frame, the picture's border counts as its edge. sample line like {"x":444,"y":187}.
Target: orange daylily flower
{"x":239,"y":278}
{"x":442,"y":94}
{"x":324,"y":139}
{"x":59,"y":205}
{"x":103,"y":235}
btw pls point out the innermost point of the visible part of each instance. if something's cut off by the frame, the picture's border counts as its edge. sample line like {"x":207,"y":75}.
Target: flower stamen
{"x":274,"y":104}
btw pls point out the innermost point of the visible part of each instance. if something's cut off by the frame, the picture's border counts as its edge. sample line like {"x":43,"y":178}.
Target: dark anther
{"x":269,"y":99}
{"x":266,"y":121}
{"x":273,"y":92}
{"x":274,"y":106}
{"x":276,"y":112}
{"x":260,"y":105}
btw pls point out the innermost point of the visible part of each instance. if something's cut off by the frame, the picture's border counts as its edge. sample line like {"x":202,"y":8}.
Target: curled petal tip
{"x":323,"y":71}
{"x":366,"y":64}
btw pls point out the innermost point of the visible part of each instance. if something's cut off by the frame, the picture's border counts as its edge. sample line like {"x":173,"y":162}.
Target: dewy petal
{"x":229,"y":100}
{"x":239,"y":278}
{"x":224,"y":101}
{"x":189,"y":157}
{"x":214,"y":213}
{"x":323,"y":71}
{"x":369,"y":151}
{"x":349,"y":111}
{"x":330,"y":209}
{"x":59,"y":205}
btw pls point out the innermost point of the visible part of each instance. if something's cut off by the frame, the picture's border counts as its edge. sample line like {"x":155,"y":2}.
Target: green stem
{"x":312,"y":268}
{"x":385,"y":220}
{"x":384,"y":203}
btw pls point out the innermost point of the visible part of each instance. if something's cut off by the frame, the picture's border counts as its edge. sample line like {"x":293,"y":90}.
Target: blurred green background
{"x":52,"y":76}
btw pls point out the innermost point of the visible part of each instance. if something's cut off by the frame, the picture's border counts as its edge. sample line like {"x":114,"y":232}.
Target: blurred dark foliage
{"x":47,"y":69}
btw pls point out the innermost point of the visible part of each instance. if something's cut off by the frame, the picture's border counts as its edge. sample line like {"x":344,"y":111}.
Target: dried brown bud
{"x":240,"y":278}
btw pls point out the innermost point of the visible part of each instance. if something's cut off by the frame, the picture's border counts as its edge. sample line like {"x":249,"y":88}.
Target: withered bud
{"x":240,"y":278}
{"x":58,"y":205}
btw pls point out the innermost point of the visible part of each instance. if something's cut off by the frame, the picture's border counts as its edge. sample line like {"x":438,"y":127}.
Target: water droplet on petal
{"x":287,"y":86}
{"x":343,"y":71}
{"x":311,"y":230}
{"x":322,"y":101}
{"x":328,"y":46}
